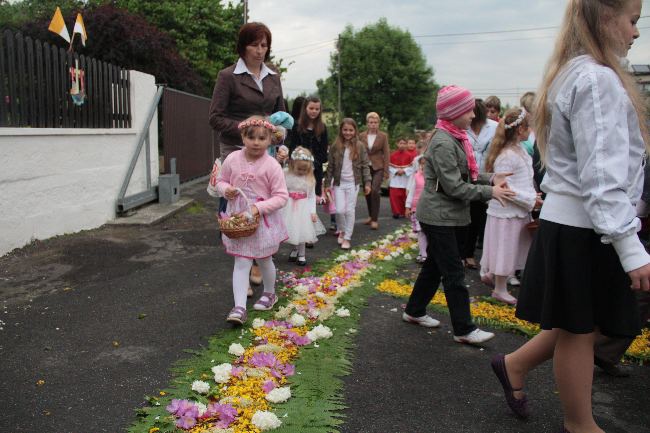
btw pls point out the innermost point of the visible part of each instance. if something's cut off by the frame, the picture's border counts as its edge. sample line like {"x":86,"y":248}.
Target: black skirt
{"x":575,"y":282}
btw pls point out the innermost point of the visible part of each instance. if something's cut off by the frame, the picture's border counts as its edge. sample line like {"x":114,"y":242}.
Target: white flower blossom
{"x":200,"y":387}
{"x":388,"y":258}
{"x":268,"y":348}
{"x":395,"y":254}
{"x":301,"y":289}
{"x":202,"y":408}
{"x":297,"y":320}
{"x":279,"y":395}
{"x":407,"y":256}
{"x":283,"y":312}
{"x":258,"y":323}
{"x":343,"y":312}
{"x":265,"y":420}
{"x":222,"y":372}
{"x":319,"y":332}
{"x":321,"y":295}
{"x":236,"y":349}
{"x":390,"y":237}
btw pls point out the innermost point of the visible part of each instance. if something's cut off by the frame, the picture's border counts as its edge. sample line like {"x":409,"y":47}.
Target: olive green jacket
{"x":446,"y":166}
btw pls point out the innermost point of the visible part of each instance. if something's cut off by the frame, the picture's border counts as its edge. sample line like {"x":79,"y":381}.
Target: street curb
{"x":153,"y":214}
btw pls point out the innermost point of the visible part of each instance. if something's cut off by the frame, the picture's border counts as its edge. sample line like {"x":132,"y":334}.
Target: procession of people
{"x":549,"y":193}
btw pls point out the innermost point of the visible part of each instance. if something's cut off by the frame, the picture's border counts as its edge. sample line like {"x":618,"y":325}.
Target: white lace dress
{"x":299,"y":209}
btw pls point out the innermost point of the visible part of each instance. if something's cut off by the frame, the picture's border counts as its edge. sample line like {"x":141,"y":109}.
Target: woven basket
{"x":240,"y":231}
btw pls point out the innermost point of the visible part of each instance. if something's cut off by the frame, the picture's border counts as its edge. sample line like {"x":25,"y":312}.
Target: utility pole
{"x":245,"y":11}
{"x":338,"y":67}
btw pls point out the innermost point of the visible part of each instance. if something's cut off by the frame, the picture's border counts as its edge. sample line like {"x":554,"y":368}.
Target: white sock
{"x":267,"y":267}
{"x":240,"y":281}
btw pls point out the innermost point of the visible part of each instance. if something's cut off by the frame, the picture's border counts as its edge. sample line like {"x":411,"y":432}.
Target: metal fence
{"x":186,"y":134}
{"x":35,"y":86}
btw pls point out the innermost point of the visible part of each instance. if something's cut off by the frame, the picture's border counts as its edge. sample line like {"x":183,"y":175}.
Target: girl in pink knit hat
{"x":452,"y":182}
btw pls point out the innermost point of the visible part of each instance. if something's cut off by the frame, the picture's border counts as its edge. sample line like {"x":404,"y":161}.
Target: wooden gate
{"x":186,"y":134}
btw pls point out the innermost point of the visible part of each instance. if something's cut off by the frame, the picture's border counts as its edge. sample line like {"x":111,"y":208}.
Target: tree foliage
{"x":382,"y":70}
{"x":205,"y":31}
{"x":194,"y":38}
{"x":119,"y":37}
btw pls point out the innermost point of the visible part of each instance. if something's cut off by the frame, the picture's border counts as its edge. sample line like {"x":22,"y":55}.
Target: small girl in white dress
{"x":300,"y":218}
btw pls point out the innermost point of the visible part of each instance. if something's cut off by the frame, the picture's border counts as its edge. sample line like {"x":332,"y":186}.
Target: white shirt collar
{"x":241,"y":68}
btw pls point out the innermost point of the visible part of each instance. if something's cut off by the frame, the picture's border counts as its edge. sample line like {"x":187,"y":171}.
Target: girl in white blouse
{"x":507,"y":240}
{"x":586,"y":258}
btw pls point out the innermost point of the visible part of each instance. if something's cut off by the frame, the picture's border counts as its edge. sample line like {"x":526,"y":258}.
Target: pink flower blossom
{"x":186,"y":422}
{"x":237,"y":371}
{"x":226,"y":414}
{"x":263,"y":359}
{"x":268,"y":386}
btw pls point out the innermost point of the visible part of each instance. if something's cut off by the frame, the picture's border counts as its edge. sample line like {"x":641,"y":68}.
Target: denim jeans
{"x":443,"y":263}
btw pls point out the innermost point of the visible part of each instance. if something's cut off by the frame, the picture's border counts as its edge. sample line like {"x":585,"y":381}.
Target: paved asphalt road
{"x":100,"y":316}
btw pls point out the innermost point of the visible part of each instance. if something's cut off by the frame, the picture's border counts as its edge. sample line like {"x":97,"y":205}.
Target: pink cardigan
{"x":264,"y":177}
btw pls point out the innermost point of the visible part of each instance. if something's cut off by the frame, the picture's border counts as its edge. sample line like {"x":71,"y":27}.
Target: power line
{"x":440,"y":35}
{"x":486,"y":41}
{"x":329,"y":41}
{"x":325,"y":43}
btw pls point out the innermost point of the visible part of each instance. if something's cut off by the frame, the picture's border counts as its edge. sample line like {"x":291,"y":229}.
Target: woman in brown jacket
{"x":376,"y":143}
{"x":246,"y":88}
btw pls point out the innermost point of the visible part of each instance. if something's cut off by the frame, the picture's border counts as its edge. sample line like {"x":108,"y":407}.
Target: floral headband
{"x":256,"y":122}
{"x":517,"y":121}
{"x":299,"y":155}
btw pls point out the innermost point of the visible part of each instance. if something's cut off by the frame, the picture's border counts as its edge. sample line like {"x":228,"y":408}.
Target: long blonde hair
{"x":585,"y":31}
{"x":503,"y":136}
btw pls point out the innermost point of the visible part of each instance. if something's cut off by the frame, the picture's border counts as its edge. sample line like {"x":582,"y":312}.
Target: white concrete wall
{"x":55,"y":181}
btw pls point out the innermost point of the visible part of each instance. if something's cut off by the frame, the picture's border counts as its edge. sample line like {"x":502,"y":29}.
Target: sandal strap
{"x":267,"y":299}
{"x":238,"y":310}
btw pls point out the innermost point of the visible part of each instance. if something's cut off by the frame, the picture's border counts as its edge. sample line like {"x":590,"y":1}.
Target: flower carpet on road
{"x":283,"y":370}
{"x":503,"y":316}
{"x":248,"y":379}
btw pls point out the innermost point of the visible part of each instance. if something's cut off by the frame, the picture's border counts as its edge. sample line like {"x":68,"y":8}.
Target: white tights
{"x":240,"y":277}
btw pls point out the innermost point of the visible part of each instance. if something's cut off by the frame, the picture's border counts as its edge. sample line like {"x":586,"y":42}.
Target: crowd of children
{"x":475,"y":183}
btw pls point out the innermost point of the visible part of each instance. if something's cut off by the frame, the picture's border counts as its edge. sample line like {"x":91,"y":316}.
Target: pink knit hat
{"x":453,"y":102}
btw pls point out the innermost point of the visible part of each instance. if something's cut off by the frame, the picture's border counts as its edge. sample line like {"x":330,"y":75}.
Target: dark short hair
{"x":252,"y":32}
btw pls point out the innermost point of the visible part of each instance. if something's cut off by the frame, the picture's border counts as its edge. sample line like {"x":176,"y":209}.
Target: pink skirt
{"x":505,"y":245}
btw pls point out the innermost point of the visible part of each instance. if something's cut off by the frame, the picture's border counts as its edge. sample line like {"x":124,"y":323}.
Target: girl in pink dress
{"x":413,"y":191}
{"x":507,"y":239}
{"x":252,"y":172}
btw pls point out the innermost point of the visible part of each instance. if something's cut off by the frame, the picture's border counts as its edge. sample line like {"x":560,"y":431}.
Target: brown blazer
{"x":379,"y":155}
{"x":235,"y":98}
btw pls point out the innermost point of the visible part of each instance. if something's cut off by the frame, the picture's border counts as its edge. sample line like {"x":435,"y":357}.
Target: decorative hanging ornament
{"x":78,"y":88}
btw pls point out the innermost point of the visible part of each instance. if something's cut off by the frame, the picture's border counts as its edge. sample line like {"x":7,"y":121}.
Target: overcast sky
{"x":504,"y":64}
